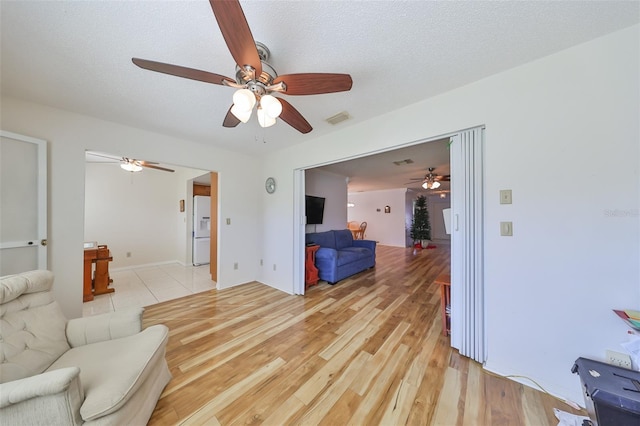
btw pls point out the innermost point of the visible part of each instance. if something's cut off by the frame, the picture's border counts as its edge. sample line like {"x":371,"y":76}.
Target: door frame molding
{"x":298,"y":199}
{"x":42,"y":198}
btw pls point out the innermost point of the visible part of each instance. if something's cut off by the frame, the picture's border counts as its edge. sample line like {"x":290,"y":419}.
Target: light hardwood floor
{"x":366,"y":351}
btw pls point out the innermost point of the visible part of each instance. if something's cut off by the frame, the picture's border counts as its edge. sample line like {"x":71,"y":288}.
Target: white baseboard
{"x":147,"y":265}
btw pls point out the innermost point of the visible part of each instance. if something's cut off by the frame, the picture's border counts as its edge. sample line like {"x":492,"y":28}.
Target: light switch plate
{"x":505,"y":196}
{"x":506,"y":229}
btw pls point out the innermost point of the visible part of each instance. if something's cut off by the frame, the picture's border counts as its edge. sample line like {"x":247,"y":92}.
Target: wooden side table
{"x":444,"y":281}
{"x":99,"y":283}
{"x":101,"y":278}
{"x":89,"y":256}
{"x":310,"y":270}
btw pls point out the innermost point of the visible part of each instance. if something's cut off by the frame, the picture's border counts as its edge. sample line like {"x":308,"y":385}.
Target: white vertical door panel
{"x":23,"y":203}
{"x":467,"y":237}
{"x":299,"y":232}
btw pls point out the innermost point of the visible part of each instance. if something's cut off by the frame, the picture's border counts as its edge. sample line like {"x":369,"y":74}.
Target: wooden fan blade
{"x":315,"y":83}
{"x":184,"y":72}
{"x":293,"y":118}
{"x":110,"y":157}
{"x":236,"y":33}
{"x":150,"y":166}
{"x":144,"y":163}
{"x":444,"y":178}
{"x":230,"y":120}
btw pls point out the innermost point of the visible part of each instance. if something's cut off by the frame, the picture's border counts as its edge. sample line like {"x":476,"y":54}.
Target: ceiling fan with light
{"x":431,"y":181}
{"x":255,"y":80}
{"x":130,"y":164}
{"x":133,"y":165}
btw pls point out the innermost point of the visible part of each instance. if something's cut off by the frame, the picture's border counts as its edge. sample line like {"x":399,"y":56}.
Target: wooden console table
{"x":444,"y":281}
{"x":96,"y":283}
{"x":310,"y":270}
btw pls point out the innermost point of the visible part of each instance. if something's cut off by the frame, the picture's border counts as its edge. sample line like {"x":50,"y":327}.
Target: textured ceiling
{"x":77,"y":56}
{"x":380,"y":171}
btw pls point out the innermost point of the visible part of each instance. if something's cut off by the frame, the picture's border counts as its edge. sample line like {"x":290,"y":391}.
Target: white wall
{"x":137,"y":213}
{"x":570,"y":119}
{"x":334,"y":189}
{"x":131,"y":212}
{"x":385,"y":228}
{"x":435,"y":205}
{"x":69,"y":135}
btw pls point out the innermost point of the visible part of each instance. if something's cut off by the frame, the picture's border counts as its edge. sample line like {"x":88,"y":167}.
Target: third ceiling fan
{"x":431,"y":181}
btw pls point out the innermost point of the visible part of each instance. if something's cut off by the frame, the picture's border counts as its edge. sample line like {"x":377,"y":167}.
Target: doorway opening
{"x":469,"y":278}
{"x":145,"y":218}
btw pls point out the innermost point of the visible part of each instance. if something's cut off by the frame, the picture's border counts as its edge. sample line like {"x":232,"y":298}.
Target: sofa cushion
{"x":323,"y":239}
{"x":112,"y":371}
{"x":352,"y":254}
{"x":344,"y":239}
{"x":31,"y":339}
{"x":13,"y":286}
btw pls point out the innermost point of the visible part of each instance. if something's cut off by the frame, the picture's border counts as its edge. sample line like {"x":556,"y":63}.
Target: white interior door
{"x":23,"y":206}
{"x":467,"y":237}
{"x":298,"y":232}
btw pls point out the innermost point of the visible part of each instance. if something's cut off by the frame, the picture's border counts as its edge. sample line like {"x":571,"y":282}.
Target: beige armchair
{"x":100,"y":370}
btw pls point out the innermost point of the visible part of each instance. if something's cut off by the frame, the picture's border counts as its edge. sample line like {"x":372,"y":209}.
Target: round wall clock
{"x":270,"y":185}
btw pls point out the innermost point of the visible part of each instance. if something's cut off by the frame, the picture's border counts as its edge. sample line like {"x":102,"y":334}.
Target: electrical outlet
{"x":128,"y":254}
{"x":618,"y":359}
{"x":235,"y":265}
{"x":274,"y":266}
{"x":260,"y":262}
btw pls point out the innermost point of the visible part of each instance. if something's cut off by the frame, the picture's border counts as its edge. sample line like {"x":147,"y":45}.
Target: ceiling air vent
{"x":403,"y":162}
{"x":338,"y":118}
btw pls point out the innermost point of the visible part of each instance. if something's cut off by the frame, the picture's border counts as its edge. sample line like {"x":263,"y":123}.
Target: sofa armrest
{"x":100,"y":328}
{"x":326,"y":253}
{"x":47,"y":383}
{"x":370,"y":244}
{"x":52,"y":398}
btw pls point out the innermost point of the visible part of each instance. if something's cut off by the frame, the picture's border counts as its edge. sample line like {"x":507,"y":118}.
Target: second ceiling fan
{"x":255,"y":80}
{"x":126,"y":163}
{"x":431,"y":181}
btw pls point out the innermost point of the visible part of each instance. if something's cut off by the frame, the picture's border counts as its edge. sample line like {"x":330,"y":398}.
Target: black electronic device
{"x":314,"y":209}
{"x":611,"y":393}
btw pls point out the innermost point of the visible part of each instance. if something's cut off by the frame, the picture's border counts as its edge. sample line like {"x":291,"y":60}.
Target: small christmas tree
{"x":420,"y":226}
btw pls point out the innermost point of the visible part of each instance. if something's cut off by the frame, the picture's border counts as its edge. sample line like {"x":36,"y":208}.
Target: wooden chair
{"x":363,"y":227}
{"x":354,"y":227}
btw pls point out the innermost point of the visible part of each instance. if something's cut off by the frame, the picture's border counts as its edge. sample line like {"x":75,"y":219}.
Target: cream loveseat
{"x":100,"y":370}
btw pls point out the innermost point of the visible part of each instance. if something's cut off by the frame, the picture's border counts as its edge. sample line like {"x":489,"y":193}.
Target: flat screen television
{"x":314,"y":209}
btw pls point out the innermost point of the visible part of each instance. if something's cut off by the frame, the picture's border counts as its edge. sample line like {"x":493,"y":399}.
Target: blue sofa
{"x":340,"y":256}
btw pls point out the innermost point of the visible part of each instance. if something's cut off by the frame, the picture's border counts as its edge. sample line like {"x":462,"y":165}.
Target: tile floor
{"x":149,"y":285}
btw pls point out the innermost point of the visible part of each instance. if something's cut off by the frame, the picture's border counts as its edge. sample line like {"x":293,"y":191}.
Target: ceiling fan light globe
{"x":271,"y":106}
{"x":264,"y":120}
{"x":435,"y":185}
{"x":241,"y":114}
{"x":244,"y":100}
{"x":131,"y":167}
{"x":425,"y":185}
